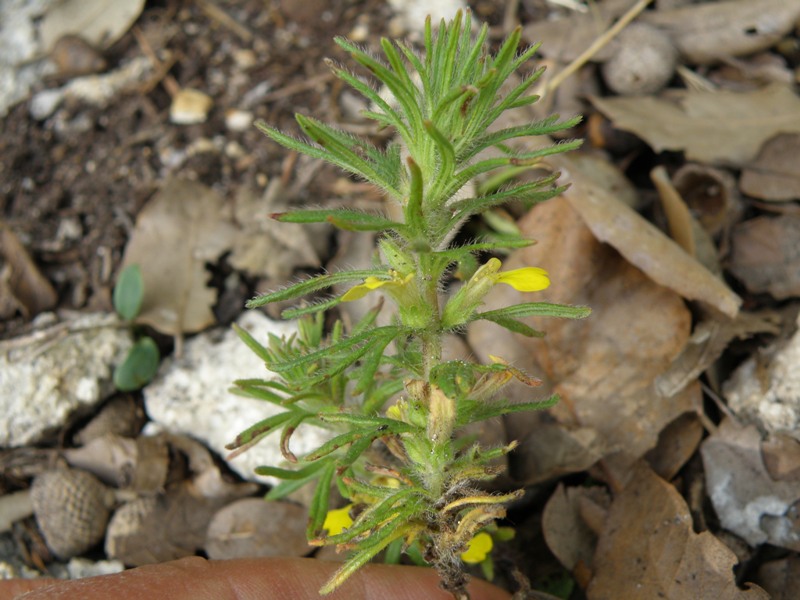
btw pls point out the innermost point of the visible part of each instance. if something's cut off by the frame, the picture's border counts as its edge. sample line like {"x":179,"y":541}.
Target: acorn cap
{"x":72,"y":510}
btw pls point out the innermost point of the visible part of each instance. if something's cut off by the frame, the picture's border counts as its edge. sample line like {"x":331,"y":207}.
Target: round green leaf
{"x":129,"y":292}
{"x":139,"y":367}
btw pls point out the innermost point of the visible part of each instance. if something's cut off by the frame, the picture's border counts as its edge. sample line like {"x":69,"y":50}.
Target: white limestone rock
{"x":191,"y":396}
{"x":52,"y":373}
{"x":765,"y":389}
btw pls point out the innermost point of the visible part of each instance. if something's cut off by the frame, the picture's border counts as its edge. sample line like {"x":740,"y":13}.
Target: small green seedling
{"x":141,"y":363}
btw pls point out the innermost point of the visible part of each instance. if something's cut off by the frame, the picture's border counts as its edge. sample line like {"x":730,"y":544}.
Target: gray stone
{"x":191,"y":396}
{"x":52,"y":373}
{"x":768,"y":395}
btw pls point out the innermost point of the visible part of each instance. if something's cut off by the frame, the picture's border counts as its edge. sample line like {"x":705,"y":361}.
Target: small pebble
{"x":190,"y":106}
{"x":45,"y":103}
{"x":644,"y":63}
{"x":359,"y":33}
{"x":75,"y":56}
{"x":238,"y":120}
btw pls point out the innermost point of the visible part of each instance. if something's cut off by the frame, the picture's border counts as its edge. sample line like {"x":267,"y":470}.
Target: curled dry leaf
{"x":139,"y":464}
{"x":100,"y":22}
{"x":749,"y":502}
{"x":709,"y":340}
{"x":265,"y":246}
{"x":649,"y":550}
{"x":568,"y":536}
{"x":765,"y":255}
{"x":775,"y":173}
{"x":23,"y":287}
{"x":181,"y":228}
{"x":710,"y":194}
{"x":707,"y":32}
{"x":641,"y":243}
{"x":717,"y":127}
{"x":677,"y":443}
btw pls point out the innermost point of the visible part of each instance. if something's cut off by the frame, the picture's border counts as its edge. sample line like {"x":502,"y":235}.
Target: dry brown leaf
{"x":265,"y":246}
{"x":711,"y":195}
{"x":28,"y":291}
{"x":643,"y":244}
{"x":603,"y":367}
{"x":648,"y":550}
{"x":765,"y":255}
{"x":781,"y":578}
{"x":709,"y":340}
{"x":775,"y":173}
{"x":781,"y":454}
{"x":717,"y":127}
{"x":707,"y":32}
{"x":677,"y":443}
{"x":139,"y":464}
{"x":181,"y":228}
{"x":679,"y":219}
{"x":569,"y":538}
{"x":252,"y":527}
{"x":746,"y":499}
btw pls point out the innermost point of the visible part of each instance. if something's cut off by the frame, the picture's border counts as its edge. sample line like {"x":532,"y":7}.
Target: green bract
{"x":420,"y":492}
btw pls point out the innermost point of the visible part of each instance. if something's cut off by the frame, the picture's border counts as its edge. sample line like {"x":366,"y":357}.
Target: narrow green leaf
{"x":413,"y":210}
{"x":320,"y":282}
{"x":366,"y":552}
{"x":288,"y":486}
{"x":343,"y":218}
{"x":291,"y":474}
{"x":260,"y":430}
{"x":318,"y":509}
{"x":139,"y":366}
{"x":129,"y":292}
{"x":343,"y":348}
{"x":252,"y":343}
{"x":536,"y":309}
{"x":367,"y":422}
{"x":471,"y":411}
{"x":515,"y":326}
{"x":345,"y":439}
{"x":311,"y":309}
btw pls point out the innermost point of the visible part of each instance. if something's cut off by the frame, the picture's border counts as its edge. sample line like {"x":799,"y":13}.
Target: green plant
{"x":141,"y":363}
{"x":419,"y":491}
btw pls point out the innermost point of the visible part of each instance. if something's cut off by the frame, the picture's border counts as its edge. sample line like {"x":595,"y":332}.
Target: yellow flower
{"x":336,"y":521}
{"x":373,"y":283}
{"x":461,"y":306}
{"x":526,"y":279}
{"x":478,"y":548}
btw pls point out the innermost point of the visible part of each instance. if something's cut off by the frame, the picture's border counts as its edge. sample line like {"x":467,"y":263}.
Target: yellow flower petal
{"x":359,"y":291}
{"x":527,"y":279}
{"x":478,"y":548}
{"x":336,"y":521}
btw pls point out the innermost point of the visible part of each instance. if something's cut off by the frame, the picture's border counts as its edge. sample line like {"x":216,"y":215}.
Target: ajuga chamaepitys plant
{"x":393,"y":406}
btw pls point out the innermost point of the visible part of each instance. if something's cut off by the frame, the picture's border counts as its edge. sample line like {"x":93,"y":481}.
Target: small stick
{"x":170,"y":84}
{"x":217,"y":14}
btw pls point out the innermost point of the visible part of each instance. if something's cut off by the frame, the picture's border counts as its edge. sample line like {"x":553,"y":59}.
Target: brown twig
{"x":220,"y":16}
